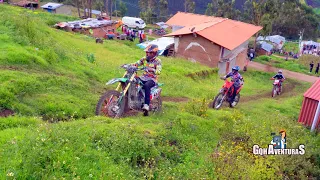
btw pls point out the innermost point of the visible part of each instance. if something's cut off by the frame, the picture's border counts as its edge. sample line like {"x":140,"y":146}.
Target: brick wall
{"x":198,"y":49}
{"x":102,"y":31}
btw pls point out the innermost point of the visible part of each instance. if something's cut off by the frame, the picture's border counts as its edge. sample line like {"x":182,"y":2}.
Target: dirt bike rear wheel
{"x":235,"y":102}
{"x":107,"y":102}
{"x":278,"y":90}
{"x":156,"y":105}
{"x":218,"y":101}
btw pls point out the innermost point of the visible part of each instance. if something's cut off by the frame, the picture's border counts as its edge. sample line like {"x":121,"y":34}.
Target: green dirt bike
{"x":115,"y":103}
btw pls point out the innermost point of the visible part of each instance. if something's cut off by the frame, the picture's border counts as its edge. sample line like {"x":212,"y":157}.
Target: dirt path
{"x":288,"y":90}
{"x":289,"y":74}
{"x":283,"y":57}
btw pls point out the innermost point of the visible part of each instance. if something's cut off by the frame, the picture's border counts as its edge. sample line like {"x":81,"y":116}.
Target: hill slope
{"x":45,"y":75}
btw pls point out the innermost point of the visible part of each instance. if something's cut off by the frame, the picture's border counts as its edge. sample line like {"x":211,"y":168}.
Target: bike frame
{"x":227,"y":86}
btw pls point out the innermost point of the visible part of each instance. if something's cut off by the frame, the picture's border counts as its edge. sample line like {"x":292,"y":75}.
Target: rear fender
{"x":112,"y":81}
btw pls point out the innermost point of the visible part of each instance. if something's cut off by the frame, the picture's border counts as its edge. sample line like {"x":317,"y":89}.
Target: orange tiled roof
{"x":187,"y":19}
{"x":224,"y":32}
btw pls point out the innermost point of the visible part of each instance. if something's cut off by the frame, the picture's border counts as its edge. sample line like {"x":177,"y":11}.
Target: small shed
{"x":57,"y":8}
{"x":99,"y":27}
{"x":265,"y":48}
{"x":310,"y":110}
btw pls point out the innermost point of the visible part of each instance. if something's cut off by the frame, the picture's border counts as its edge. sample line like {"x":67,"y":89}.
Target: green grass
{"x":300,"y":65}
{"x":316,"y":10}
{"x":46,"y":76}
{"x":291,"y":47}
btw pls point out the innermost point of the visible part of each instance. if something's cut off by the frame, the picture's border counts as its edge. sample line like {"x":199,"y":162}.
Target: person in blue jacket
{"x":237,"y":80}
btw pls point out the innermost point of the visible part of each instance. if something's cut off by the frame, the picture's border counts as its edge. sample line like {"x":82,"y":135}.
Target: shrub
{"x":197,"y":107}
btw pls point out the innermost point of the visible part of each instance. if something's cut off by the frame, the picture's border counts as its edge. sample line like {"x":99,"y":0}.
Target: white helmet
{"x":280,"y":71}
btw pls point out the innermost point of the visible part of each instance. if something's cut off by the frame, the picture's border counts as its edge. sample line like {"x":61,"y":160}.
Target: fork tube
{"x":119,"y":85}
{"x":130,"y":80}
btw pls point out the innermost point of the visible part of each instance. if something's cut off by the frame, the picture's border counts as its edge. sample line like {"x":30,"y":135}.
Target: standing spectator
{"x":311,"y":66}
{"x":133,"y":35}
{"x":317,"y":68}
{"x":251,"y":56}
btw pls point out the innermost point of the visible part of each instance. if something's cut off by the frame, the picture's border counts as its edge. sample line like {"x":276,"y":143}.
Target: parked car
{"x":133,"y":22}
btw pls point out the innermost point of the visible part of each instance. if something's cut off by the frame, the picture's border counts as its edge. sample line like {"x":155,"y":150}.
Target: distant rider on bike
{"x":153,"y":68}
{"x":280,"y":77}
{"x":237,"y":80}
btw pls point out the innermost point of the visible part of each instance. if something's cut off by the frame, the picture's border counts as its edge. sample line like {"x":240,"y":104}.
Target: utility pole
{"x":300,"y":39}
{"x":115,"y":8}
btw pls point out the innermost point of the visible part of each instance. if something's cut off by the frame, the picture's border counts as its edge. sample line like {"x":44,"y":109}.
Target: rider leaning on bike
{"x":153,"y":68}
{"x":237,"y":80}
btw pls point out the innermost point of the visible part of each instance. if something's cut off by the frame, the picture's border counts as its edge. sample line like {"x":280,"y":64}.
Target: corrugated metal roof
{"x":224,"y":32}
{"x":51,"y":6}
{"x":314,"y":91}
{"x":308,"y":111}
{"x":266,"y":46}
{"x":96,"y":12}
{"x":90,"y":22}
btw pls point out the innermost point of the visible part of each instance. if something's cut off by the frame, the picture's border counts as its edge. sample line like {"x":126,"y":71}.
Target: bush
{"x":197,"y":107}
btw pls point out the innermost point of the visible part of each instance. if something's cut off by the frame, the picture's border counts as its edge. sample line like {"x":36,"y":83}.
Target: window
{"x":137,"y":22}
{"x":141,"y":22}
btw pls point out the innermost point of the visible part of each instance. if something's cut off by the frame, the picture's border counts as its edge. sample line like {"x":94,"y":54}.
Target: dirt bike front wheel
{"x":108,"y":105}
{"x":274,"y":91}
{"x":218,"y":101}
{"x":235,"y":102}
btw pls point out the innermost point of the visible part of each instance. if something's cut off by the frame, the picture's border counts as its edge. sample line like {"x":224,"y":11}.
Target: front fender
{"x":112,"y":81}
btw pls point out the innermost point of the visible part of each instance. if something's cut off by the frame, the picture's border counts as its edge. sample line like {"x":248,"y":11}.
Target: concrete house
{"x":212,"y":41}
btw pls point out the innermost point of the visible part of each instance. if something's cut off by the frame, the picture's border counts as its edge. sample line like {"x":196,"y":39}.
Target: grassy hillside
{"x":46,"y":77}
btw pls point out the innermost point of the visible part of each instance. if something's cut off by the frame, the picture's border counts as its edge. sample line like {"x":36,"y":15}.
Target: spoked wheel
{"x":235,"y":102}
{"x":218,"y":100}
{"x":274,"y":91}
{"x":279,"y":89}
{"x":156,"y":105}
{"x":108,"y":105}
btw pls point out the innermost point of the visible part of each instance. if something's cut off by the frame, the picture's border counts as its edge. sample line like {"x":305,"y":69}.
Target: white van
{"x":133,"y":22}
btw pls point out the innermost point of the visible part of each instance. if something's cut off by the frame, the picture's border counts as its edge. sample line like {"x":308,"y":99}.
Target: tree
{"x":147,"y":10}
{"x":143,"y":4}
{"x":106,"y":2}
{"x":189,"y":6}
{"x":123,"y":8}
{"x":163,"y":10}
{"x":209,"y":10}
{"x":226,"y":9}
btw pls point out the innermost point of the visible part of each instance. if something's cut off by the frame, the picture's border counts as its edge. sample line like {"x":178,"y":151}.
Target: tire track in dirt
{"x":289,"y":74}
{"x":288,"y":89}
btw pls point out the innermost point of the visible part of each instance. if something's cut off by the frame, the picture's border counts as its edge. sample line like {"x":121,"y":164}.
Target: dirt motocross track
{"x":289,"y":74}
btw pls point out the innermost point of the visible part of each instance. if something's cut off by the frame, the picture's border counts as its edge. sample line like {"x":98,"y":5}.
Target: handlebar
{"x":132,"y":67}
